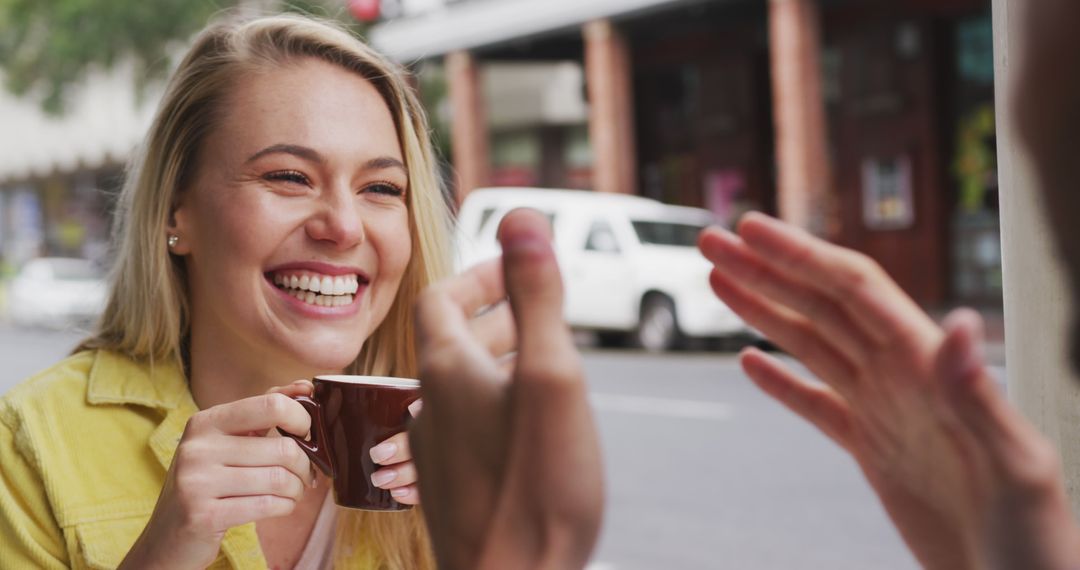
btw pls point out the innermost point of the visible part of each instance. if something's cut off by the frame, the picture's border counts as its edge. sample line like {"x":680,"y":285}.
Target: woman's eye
{"x":384,"y":188}
{"x":293,"y":176}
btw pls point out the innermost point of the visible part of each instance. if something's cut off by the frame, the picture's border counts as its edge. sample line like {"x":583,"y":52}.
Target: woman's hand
{"x":967,"y":481}
{"x":399,"y":475}
{"x":226,"y":473}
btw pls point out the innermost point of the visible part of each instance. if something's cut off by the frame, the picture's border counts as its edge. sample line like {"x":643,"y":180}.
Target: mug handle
{"x":314,"y":448}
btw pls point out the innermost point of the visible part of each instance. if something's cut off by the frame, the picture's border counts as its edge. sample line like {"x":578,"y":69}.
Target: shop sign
{"x":888,"y":202}
{"x":975,"y":50}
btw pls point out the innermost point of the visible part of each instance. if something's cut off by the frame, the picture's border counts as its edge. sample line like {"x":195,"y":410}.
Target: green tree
{"x":46,"y":46}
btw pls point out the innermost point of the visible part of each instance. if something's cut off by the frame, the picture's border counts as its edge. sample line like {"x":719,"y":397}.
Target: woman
{"x":279,"y":223}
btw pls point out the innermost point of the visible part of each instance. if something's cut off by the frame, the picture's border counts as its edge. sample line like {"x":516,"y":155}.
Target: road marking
{"x":665,"y":407}
{"x":600,"y":566}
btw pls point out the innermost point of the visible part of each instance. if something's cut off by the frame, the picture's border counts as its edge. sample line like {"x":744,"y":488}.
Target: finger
{"x":236,"y":511}
{"x":416,"y":406}
{"x":817,"y":404}
{"x":545,"y":347}
{"x":742,"y":265}
{"x":1011,"y":443}
{"x":394,"y":449}
{"x":445,"y":307}
{"x":409,"y":495}
{"x":395,"y":476}
{"x":249,"y":481}
{"x":256,"y":414}
{"x":240,"y":451}
{"x":495,"y":330}
{"x":296,"y":388}
{"x":869,"y":296}
{"x":788,"y":330}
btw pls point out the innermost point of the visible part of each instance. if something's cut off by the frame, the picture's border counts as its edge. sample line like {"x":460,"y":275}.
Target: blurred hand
{"x":226,"y":473}
{"x":508,"y":455}
{"x":967,"y":481}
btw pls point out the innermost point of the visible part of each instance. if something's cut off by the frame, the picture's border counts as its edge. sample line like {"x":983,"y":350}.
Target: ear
{"x":179,"y":225}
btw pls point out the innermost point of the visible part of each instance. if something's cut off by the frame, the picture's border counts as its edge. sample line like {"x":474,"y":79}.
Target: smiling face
{"x":295,"y":229}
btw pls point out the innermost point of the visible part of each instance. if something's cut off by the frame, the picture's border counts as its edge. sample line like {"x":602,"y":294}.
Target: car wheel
{"x":658,"y":330}
{"x":611,"y":339}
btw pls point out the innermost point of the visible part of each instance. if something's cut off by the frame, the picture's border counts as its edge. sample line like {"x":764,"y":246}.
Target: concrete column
{"x":611,"y":116}
{"x":1039,"y":378}
{"x":804,"y":177}
{"x":468,"y":125}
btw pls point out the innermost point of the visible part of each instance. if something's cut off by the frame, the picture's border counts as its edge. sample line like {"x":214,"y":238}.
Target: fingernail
{"x":383,"y":451}
{"x":399,"y":492}
{"x":380,"y":478}
{"x":415,"y":407}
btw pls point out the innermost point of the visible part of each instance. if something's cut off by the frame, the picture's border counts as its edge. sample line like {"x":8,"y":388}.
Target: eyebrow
{"x":312,"y":155}
{"x":304,"y":152}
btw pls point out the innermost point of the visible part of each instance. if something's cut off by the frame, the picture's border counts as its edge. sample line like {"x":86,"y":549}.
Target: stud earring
{"x":173,"y":240}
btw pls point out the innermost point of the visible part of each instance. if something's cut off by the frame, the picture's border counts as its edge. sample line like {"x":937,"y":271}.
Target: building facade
{"x":868,"y":122}
{"x":59,"y":174}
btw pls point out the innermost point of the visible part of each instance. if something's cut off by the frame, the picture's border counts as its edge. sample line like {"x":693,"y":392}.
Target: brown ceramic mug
{"x":349,"y":416}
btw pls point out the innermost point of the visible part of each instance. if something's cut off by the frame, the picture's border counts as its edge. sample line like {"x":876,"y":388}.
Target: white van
{"x":630,"y":264}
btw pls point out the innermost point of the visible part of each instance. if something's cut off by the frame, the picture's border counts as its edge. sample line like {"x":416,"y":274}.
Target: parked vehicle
{"x":56,"y":292}
{"x":630,"y":264}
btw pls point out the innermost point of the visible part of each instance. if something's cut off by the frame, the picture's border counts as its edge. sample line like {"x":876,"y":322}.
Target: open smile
{"x":317,"y":289}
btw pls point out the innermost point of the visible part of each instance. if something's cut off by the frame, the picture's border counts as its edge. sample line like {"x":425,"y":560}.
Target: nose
{"x":337,"y":220}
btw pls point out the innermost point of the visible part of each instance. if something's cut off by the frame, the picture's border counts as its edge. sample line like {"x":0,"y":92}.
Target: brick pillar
{"x":802,"y":157}
{"x":468,"y":125}
{"x":611,"y":119}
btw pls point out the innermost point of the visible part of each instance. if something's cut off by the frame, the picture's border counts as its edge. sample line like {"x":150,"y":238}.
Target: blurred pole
{"x":1036,"y":319}
{"x":468,"y":124}
{"x":611,"y":119}
{"x":802,"y":143}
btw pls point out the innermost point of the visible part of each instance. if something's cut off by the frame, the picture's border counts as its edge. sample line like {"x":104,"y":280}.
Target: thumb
{"x":534,"y":284}
{"x":973,"y":393}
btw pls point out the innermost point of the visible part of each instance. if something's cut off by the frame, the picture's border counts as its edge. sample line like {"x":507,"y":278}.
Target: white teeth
{"x":322,"y":291}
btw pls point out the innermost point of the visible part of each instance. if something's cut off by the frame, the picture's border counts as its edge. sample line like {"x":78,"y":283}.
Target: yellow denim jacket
{"x":84,"y":447}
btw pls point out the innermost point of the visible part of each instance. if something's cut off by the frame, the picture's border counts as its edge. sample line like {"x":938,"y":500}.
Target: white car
{"x":630,"y":264}
{"x":56,"y":292}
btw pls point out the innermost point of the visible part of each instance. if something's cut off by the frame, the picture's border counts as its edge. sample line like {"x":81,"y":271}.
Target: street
{"x":703,"y":471}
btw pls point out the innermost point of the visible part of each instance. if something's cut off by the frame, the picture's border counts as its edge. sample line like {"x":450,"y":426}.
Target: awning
{"x":480,"y":23}
{"x":103,"y":123}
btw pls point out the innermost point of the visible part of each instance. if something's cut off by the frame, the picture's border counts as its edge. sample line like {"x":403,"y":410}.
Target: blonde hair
{"x":148,"y":317}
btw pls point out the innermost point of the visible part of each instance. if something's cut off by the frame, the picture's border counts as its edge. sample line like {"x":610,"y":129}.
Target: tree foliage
{"x":47,"y":46}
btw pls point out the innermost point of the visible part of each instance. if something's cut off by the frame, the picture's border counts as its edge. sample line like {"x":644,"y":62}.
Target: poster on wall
{"x":888,"y":201}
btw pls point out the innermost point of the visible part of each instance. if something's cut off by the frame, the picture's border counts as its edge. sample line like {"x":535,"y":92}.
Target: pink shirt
{"x":319,"y":552}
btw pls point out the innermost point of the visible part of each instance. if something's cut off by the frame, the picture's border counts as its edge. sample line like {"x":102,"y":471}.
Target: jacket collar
{"x":117,"y":379}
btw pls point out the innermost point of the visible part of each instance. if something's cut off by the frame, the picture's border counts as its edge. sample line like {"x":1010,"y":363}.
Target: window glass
{"x":601,"y":238}
{"x":667,"y":233}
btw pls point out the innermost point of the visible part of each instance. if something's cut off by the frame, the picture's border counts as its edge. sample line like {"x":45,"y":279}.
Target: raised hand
{"x":967,"y":481}
{"x":508,"y":455}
